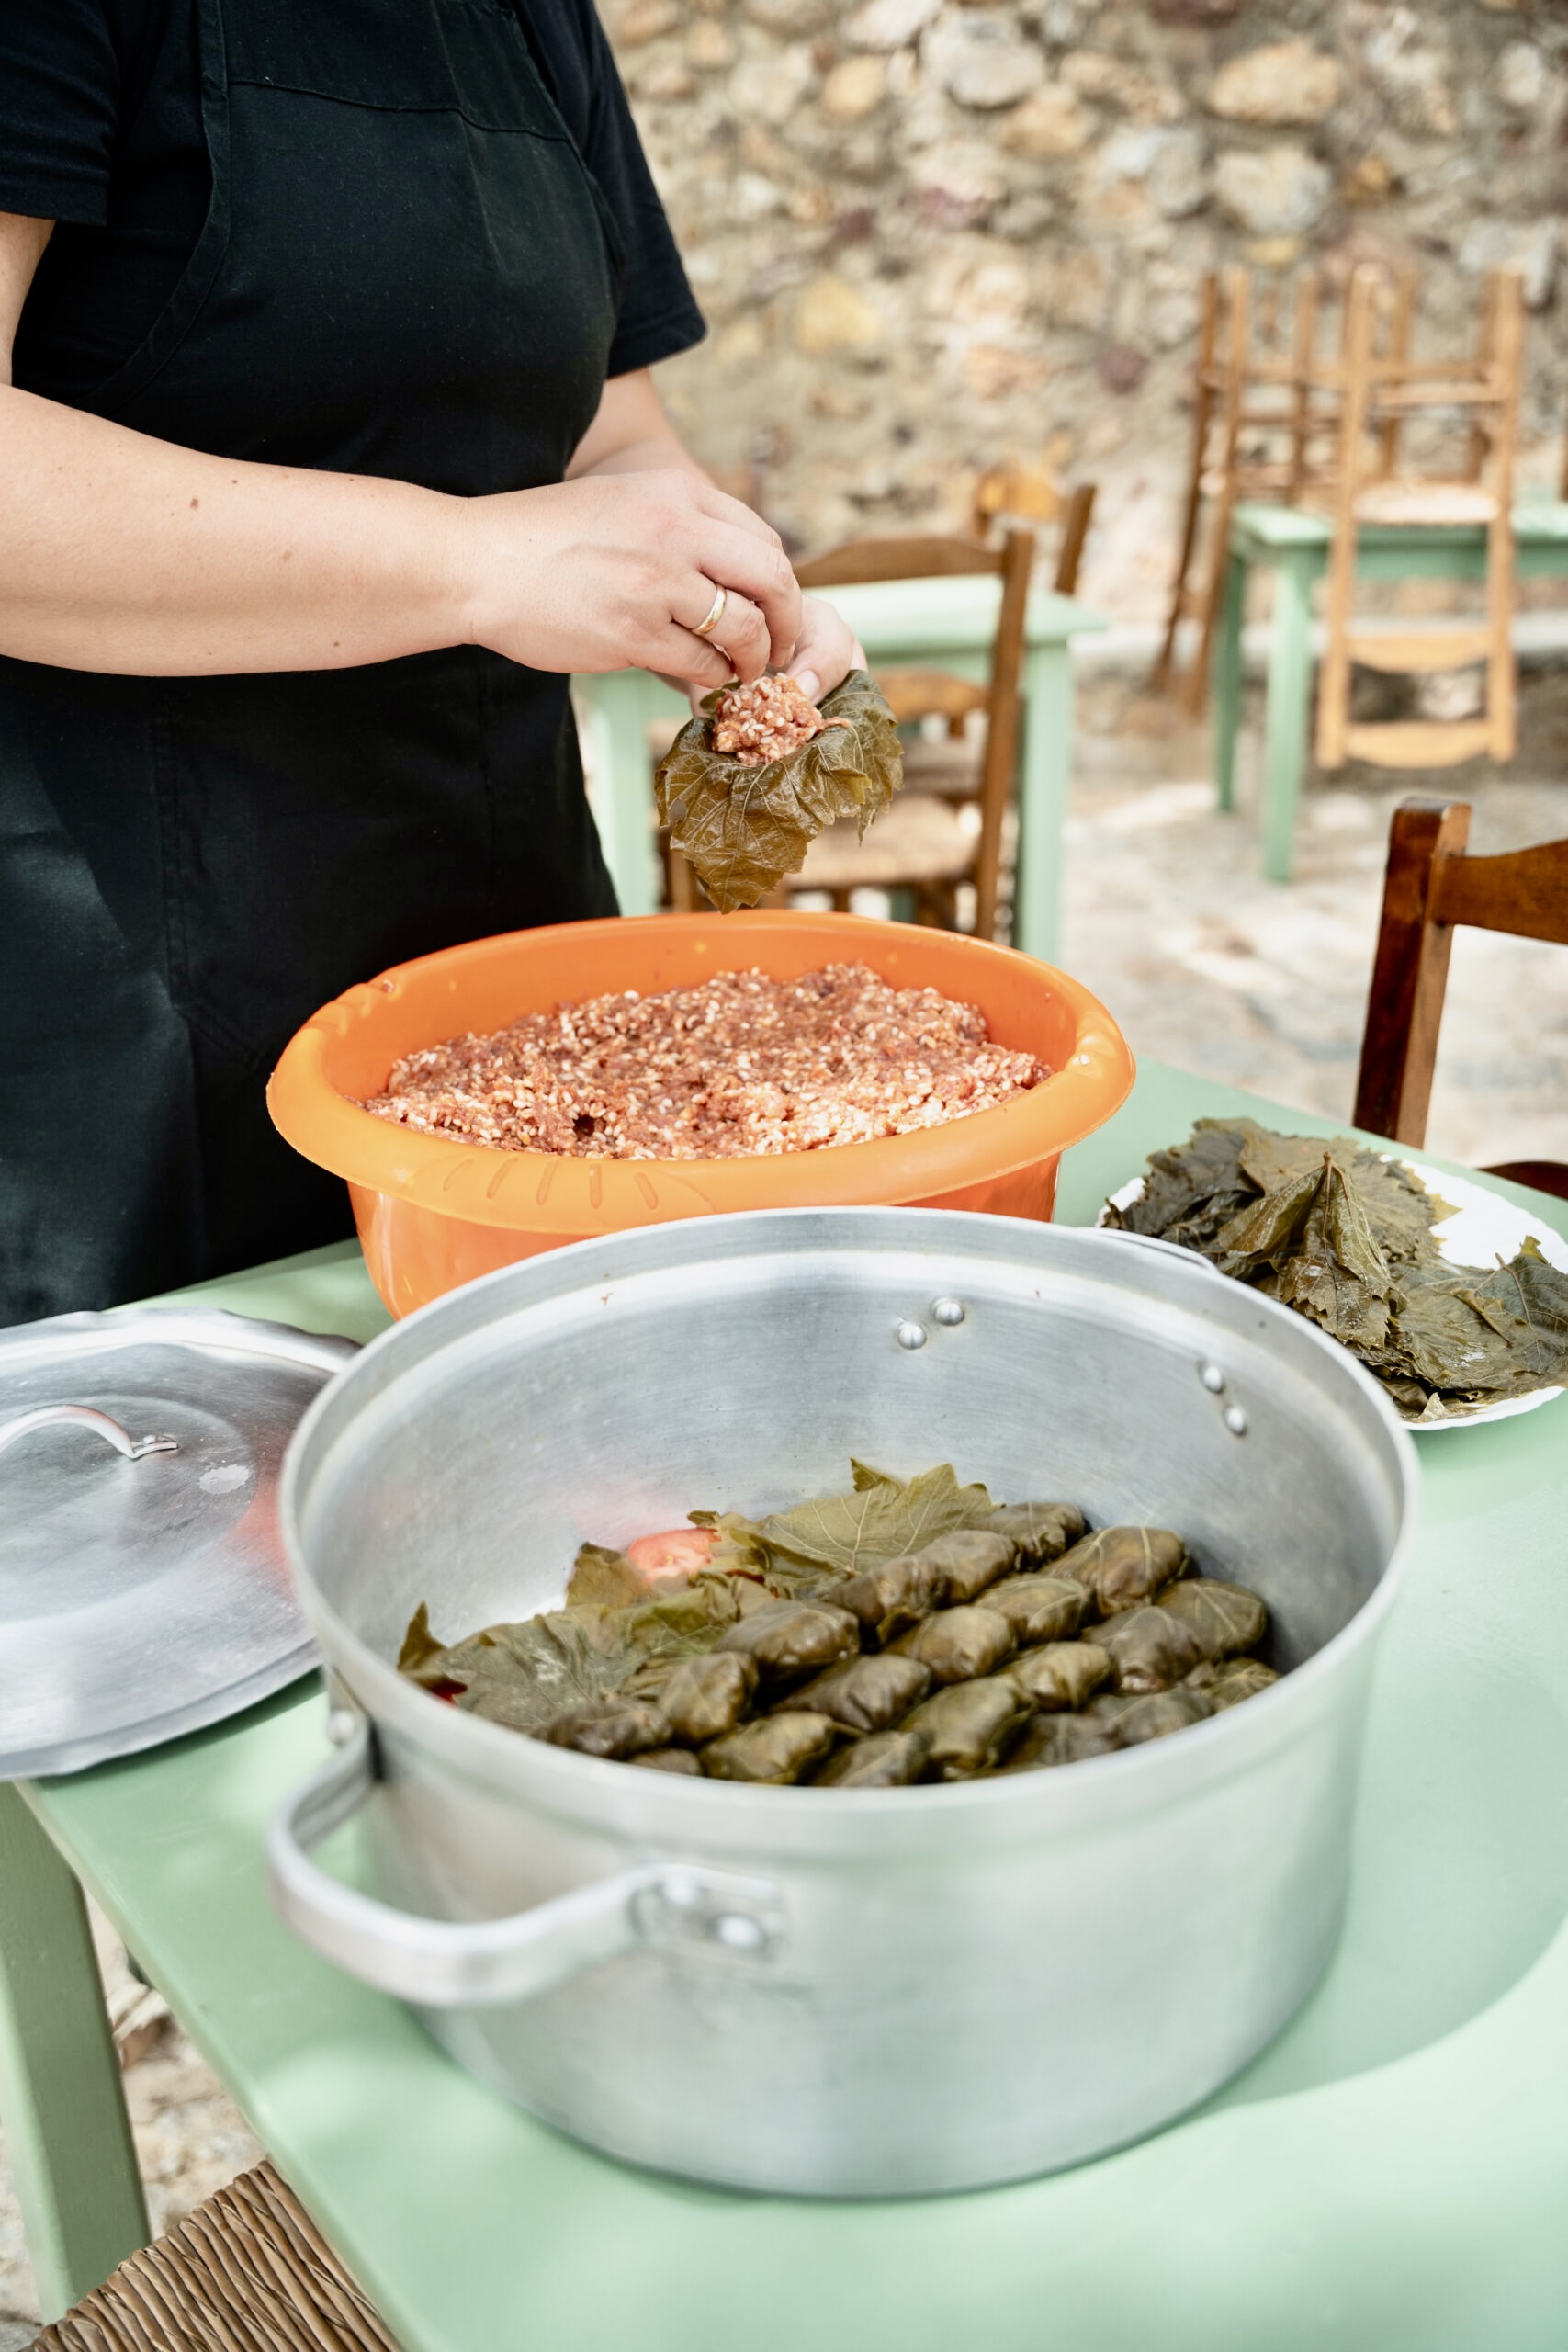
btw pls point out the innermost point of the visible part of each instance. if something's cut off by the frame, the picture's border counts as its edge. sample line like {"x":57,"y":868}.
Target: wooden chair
{"x":247,"y":2271}
{"x":1480,"y":396}
{"x":1024,"y":495}
{"x":921,"y":845}
{"x":1429,"y":886}
{"x":1265,"y":426}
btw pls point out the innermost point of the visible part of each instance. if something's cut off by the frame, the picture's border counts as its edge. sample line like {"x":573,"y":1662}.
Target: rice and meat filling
{"x":740,"y":1065}
{"x":766,"y":720}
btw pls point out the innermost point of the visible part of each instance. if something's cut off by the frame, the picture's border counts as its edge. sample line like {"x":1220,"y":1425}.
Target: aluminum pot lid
{"x":143,"y":1587}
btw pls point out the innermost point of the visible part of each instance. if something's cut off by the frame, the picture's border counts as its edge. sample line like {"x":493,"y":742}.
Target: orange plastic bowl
{"x":434,"y":1213}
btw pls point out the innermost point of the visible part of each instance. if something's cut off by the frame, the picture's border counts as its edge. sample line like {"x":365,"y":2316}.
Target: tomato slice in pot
{"x":675,"y":1551}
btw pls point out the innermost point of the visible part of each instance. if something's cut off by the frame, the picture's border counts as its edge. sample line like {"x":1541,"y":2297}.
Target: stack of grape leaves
{"x":742,"y":829}
{"x":1348,"y":1239}
{"x":905,"y":1630}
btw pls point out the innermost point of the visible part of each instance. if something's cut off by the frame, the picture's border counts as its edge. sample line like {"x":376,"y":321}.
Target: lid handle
{"x":87,"y":1417}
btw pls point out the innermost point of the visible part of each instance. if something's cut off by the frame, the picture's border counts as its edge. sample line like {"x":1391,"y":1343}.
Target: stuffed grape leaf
{"x":741,"y":829}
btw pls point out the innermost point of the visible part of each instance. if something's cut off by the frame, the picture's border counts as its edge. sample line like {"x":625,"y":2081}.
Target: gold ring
{"x":706,"y":628}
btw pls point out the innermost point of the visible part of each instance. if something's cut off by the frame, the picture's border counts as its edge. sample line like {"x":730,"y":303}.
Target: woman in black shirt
{"x":330,"y":449}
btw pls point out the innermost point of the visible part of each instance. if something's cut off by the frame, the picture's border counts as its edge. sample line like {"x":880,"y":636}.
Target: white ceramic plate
{"x":1483,"y":1230}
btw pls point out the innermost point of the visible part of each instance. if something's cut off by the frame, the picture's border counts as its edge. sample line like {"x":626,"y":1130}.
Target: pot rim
{"x":553,"y":1193}
{"x":666,"y":1804}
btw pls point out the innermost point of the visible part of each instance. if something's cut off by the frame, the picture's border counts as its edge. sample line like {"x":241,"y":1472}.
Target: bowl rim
{"x":555,"y":1193}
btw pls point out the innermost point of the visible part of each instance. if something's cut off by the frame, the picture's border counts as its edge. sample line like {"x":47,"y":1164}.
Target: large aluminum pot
{"x":820,"y":1991}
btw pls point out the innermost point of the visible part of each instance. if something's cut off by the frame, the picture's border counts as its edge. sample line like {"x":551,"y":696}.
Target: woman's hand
{"x":826,"y":651}
{"x":618,"y":571}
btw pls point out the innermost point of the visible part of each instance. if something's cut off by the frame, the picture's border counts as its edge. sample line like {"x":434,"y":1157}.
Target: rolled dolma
{"x":1228,"y":1684}
{"x":1061,"y":1739}
{"x":1059,"y":1678}
{"x":1123,"y":1565}
{"x":1151,"y":1715}
{"x":667,"y":1760}
{"x":617,"y":1727}
{"x":969,"y":1560}
{"x":705,"y":1697}
{"x":777,"y":1750}
{"x":1038,"y":1533}
{"x":1040,"y":1608}
{"x":1225,"y":1617}
{"x":793,"y":1637}
{"x":890,"y":1600}
{"x":864,"y":1694}
{"x":1150,"y":1648}
{"x":957,"y":1644}
{"x":888,"y":1759}
{"x":970,"y":1727}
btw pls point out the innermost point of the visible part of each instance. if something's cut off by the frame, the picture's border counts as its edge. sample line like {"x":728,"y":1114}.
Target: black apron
{"x":406,"y":270}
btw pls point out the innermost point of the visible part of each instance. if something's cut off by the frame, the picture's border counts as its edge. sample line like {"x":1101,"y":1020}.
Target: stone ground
{"x":1206,"y":966}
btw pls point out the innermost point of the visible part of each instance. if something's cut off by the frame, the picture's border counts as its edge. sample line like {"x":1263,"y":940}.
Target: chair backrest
{"x":1429,"y":886}
{"x":921,"y":694}
{"x":1025,"y":495}
{"x":912,"y":694}
{"x":1479,"y":396}
{"x":898,"y":559}
{"x":1274,"y":391}
{"x":1265,"y":401}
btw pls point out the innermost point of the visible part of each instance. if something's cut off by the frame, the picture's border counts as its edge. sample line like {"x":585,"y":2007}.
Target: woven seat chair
{"x":1023,"y":494}
{"x":1477,"y":397}
{"x":1266,"y":403}
{"x":946,"y":829}
{"x":248,"y":2271}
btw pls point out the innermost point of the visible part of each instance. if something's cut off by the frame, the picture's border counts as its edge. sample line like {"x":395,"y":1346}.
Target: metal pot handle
{"x":134,"y":1449}
{"x":441,"y":1963}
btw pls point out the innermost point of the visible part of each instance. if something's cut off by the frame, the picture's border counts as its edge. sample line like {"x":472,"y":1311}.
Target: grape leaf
{"x":1346,"y":1237}
{"x":525,"y":1675}
{"x":741,"y":830}
{"x":1311,"y":1247}
{"x":420,"y":1645}
{"x":603,"y":1579}
{"x":876,"y":1522}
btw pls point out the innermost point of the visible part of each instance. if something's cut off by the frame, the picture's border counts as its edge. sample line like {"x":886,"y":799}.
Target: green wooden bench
{"x":1294,"y":546}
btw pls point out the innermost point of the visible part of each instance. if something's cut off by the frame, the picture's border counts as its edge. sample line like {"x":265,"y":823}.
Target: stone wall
{"x":931,"y":237}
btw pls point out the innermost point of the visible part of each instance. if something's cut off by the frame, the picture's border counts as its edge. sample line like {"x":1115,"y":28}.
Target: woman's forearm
{"x":123,"y":553}
{"x":118,"y":552}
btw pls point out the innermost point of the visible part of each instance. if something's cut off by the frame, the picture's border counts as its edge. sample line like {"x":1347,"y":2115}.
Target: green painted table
{"x":930,"y":624}
{"x":1294,"y":546}
{"x":1390,"y":2177}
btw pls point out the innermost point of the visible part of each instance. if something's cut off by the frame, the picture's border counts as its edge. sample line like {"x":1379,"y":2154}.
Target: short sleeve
{"x":659,"y":312}
{"x":58,"y":102}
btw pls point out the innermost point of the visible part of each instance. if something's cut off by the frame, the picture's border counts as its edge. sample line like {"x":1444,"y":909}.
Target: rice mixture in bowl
{"x":739,"y":1066}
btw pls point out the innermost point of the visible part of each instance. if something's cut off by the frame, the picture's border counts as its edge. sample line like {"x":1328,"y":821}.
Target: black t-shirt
{"x":100,"y":132}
